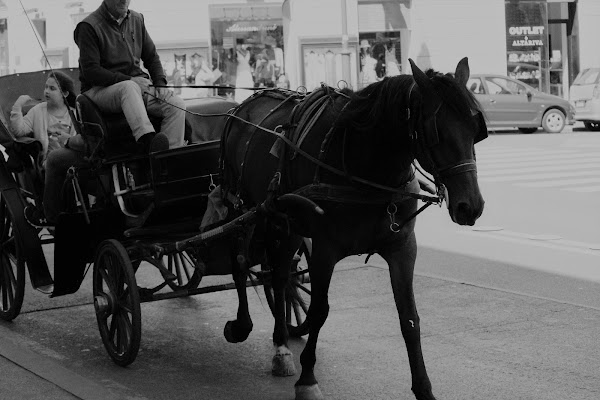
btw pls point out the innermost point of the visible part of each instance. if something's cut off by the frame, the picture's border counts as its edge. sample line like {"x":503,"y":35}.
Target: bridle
{"x":431,"y":139}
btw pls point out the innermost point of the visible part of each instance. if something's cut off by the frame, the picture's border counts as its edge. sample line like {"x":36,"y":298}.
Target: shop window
{"x":3,"y":46}
{"x":187,"y":65}
{"x":323,"y":63}
{"x":379,"y":56}
{"x":527,"y":42}
{"x":247,"y":48}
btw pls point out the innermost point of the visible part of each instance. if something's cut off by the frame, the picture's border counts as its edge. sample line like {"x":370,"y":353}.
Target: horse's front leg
{"x":401,"y":260}
{"x":238,"y":330}
{"x":321,"y":270}
{"x":280,"y":254}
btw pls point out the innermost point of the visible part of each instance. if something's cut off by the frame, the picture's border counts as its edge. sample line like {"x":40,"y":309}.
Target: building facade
{"x":300,"y":43}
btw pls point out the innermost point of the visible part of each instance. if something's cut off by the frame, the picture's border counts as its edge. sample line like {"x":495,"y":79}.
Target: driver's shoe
{"x":36,"y":218}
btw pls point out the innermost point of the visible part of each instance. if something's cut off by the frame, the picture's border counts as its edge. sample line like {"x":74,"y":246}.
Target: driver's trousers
{"x":126,"y":97}
{"x":58,"y":163}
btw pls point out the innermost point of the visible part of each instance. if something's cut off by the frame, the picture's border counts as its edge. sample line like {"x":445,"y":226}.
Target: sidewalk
{"x":25,"y":374}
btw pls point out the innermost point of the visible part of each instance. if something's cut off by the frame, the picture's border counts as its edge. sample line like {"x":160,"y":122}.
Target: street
{"x":509,"y":308}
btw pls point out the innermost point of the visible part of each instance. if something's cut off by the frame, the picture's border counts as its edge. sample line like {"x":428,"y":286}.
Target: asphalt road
{"x":510,"y":312}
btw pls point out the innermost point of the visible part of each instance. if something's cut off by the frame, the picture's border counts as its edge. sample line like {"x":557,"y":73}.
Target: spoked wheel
{"x":297,"y":292}
{"x":184,"y":266}
{"x":117,"y":302}
{"x":12,"y":267}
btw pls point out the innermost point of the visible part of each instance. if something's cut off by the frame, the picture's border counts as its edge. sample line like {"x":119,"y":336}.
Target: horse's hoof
{"x":283,"y":363}
{"x":311,"y":392}
{"x":424,"y":393}
{"x":233,"y":333}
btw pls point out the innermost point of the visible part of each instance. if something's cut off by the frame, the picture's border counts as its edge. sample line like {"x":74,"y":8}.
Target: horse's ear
{"x":420,"y":77}
{"x":462,"y":71}
{"x":430,"y":99}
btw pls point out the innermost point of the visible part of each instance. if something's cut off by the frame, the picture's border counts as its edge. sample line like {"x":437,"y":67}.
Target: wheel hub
{"x":104,"y":304}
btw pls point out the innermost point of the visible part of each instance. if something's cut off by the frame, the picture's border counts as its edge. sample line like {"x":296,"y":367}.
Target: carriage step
{"x":46,"y":289}
{"x":189,"y":226}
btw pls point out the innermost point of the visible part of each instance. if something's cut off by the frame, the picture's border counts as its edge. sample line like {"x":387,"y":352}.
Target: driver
{"x":113,"y":43}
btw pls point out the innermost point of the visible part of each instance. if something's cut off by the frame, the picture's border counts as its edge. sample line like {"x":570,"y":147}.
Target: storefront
{"x":301,"y":43}
{"x":247,"y":46}
{"x":3,"y":45}
{"x":541,"y":44}
{"x":381,"y":26}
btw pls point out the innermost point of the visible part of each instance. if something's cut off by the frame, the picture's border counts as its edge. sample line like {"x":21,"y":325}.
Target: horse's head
{"x":451,"y":123}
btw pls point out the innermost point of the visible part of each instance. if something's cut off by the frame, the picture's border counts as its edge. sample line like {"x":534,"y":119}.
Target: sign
{"x":526,"y":25}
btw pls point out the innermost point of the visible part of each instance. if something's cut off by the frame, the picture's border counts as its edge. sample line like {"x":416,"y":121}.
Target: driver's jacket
{"x":111,"y":53}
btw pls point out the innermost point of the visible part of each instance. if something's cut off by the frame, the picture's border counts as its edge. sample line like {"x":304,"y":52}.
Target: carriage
{"x":123,"y":214}
{"x":352,"y":152}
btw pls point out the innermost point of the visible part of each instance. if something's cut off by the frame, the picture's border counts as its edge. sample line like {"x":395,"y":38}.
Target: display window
{"x":247,"y":48}
{"x":3,"y":46}
{"x":379,"y":56}
{"x":187,"y":66}
{"x":323,"y":63}
{"x":527,"y":42}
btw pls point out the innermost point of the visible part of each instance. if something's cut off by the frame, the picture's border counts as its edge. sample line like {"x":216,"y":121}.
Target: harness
{"x":306,"y":114}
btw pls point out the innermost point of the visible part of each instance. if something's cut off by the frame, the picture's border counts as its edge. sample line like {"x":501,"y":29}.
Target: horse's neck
{"x":383,"y":158}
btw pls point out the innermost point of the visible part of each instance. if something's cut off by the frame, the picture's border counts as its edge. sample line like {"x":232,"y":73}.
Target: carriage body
{"x":120,"y":210}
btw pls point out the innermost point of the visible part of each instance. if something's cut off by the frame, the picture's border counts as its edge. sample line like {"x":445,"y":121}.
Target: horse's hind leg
{"x":238,"y":330}
{"x":401,"y":261}
{"x":280,"y":256}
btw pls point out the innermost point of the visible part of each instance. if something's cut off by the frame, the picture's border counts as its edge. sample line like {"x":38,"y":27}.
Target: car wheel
{"x":527,"y":130}
{"x":553,"y":121}
{"x":592,"y":126}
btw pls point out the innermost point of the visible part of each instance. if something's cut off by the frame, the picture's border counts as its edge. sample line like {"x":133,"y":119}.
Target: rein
{"x":352,"y":178}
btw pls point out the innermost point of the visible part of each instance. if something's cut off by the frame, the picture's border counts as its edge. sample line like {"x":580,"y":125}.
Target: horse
{"x":352,"y":153}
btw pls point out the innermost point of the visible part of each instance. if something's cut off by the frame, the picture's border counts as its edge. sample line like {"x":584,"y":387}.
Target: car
{"x":509,"y":103}
{"x":585,"y":97}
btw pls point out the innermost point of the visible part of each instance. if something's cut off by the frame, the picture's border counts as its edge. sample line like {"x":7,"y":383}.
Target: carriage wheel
{"x":12,"y":266}
{"x":297,"y":292}
{"x":184,"y":266}
{"x":117,"y":302}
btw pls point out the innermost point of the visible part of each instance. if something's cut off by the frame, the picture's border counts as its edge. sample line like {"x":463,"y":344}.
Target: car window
{"x":504,"y":86}
{"x":587,"y":76}
{"x":475,"y":86}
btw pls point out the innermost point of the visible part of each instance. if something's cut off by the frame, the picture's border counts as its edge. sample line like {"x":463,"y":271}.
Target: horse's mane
{"x":384,"y":103}
{"x":381,"y":103}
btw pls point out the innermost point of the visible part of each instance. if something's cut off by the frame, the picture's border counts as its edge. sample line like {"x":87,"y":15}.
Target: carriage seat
{"x":112,"y":127}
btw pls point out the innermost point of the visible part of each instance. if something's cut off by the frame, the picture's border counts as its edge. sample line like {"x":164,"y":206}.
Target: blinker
{"x":483,"y":133}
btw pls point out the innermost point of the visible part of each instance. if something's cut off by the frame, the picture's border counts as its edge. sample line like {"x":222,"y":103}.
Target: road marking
{"x":548,"y":241}
{"x":588,"y":189}
{"x":560,"y":182}
{"x":534,"y":177}
{"x":485,"y":164}
{"x":512,"y":171}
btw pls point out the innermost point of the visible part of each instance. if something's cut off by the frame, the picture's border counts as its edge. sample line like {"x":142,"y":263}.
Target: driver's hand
{"x":143,"y":83}
{"x":163,"y":93}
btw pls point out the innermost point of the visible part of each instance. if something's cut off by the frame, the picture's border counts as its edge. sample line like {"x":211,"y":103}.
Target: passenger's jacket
{"x":111,"y":53}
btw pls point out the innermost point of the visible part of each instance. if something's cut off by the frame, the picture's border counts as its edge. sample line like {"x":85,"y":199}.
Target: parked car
{"x":585,"y":97}
{"x":508,"y":102}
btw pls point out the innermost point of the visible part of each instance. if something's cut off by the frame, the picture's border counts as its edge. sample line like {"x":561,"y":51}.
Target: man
{"x":113,"y":44}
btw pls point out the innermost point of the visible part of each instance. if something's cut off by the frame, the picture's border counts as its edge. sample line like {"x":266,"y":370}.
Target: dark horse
{"x":352,"y":153}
